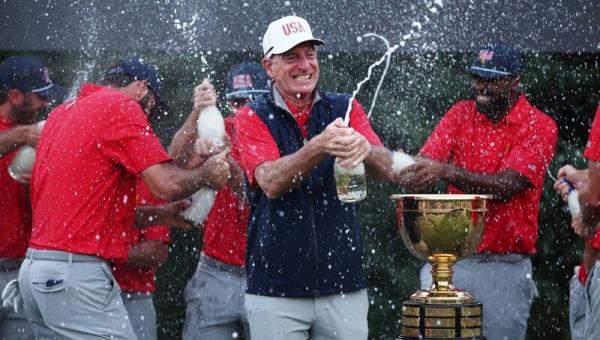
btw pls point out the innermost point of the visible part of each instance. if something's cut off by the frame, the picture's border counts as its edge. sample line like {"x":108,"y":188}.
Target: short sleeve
{"x":532,"y":156}
{"x":361,"y":124}
{"x":442,"y":140}
{"x":129,"y":140}
{"x":592,"y":149}
{"x":254,"y":141}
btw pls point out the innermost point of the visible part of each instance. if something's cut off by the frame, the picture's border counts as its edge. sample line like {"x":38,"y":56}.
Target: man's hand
{"x":169,"y":214}
{"x":577,"y":179}
{"x":422,"y":174}
{"x":30,"y":134}
{"x":204,"y":95}
{"x":217,"y":171}
{"x":348,"y":145}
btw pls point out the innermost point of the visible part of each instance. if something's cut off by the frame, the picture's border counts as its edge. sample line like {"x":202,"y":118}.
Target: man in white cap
{"x":304,"y":249}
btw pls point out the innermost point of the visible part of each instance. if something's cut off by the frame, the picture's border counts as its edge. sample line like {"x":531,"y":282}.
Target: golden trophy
{"x":441,"y":229}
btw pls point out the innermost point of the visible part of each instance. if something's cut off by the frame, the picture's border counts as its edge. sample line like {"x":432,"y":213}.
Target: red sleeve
{"x":442,"y":140}
{"x":592,"y":149}
{"x":145,"y":196}
{"x":129,"y":140}
{"x":360,"y":123}
{"x":534,"y":153}
{"x":254,"y":141}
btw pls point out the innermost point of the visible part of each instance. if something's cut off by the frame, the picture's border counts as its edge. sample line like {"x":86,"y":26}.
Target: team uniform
{"x":215,"y":294}
{"x":592,"y":285}
{"x":499,"y":274}
{"x":138,"y":284}
{"x":90,"y":154}
{"x":15,"y":228}
{"x":304,"y":251}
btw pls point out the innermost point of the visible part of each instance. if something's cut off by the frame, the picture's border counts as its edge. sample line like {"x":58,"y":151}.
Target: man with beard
{"x":25,"y":90}
{"x":497,"y":144}
{"x":91,"y":152}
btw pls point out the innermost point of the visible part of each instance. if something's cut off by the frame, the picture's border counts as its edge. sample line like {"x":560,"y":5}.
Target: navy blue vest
{"x":305,"y":243}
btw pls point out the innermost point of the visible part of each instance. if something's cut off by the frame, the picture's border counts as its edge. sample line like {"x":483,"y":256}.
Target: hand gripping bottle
{"x":210,"y":126}
{"x":572,"y":199}
{"x":22,"y":164}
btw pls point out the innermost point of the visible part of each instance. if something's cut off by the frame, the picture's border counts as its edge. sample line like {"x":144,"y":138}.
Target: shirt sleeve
{"x":532,"y":156}
{"x":254,"y":141}
{"x":129,"y":140}
{"x":592,"y":149}
{"x":361,"y":124}
{"x":442,"y":140}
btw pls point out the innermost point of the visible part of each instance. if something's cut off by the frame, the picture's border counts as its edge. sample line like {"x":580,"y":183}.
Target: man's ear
{"x":15,"y":97}
{"x":267,"y":64}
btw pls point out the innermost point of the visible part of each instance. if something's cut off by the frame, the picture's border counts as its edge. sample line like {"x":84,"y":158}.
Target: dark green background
{"x":418,"y":89}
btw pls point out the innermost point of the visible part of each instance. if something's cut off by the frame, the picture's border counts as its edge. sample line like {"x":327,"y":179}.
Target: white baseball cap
{"x":285,"y":33}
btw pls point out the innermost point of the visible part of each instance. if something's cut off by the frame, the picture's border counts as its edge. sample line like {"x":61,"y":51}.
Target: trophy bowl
{"x":441,"y":229}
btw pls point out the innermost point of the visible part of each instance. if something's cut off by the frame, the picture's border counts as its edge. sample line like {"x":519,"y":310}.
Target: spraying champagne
{"x":210,"y":126}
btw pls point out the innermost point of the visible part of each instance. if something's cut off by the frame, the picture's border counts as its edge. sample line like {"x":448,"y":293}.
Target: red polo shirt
{"x":523,"y":141}
{"x":258,"y":146}
{"x":15,"y":222}
{"x":83,"y":187}
{"x":592,"y":153}
{"x":132,"y":279}
{"x":225,"y":227}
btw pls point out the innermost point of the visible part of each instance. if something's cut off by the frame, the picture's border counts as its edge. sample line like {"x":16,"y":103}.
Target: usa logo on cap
{"x":242,"y":81}
{"x":292,"y":27}
{"x":485,"y":56}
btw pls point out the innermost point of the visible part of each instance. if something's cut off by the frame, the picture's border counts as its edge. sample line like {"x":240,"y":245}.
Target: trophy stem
{"x":442,"y":271}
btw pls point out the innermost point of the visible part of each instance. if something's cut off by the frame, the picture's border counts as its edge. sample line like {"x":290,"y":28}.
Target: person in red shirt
{"x":587,"y":184}
{"x":148,"y":249}
{"x":91,"y":151}
{"x":497,"y":144}
{"x":25,"y":90}
{"x":215,"y":295}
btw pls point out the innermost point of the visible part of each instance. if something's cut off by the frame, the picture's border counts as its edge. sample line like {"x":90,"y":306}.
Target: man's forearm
{"x":282,"y":175}
{"x":148,"y":254}
{"x":379,"y":163}
{"x":10,"y":140}
{"x":502,"y":186}
{"x":183,"y":140}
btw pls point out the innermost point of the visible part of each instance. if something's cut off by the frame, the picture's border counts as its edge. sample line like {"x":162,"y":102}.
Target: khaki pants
{"x":140,"y":308}
{"x":504,"y":284}
{"x":72,"y":296}
{"x":332,"y":317}
{"x":13,"y":326}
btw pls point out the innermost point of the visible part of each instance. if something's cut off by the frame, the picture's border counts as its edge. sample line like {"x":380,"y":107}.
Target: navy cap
{"x":497,"y":60}
{"x":139,"y":70}
{"x":246,"y":81}
{"x":28,"y":74}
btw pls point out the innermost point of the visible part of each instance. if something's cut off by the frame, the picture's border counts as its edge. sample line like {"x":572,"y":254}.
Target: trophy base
{"x":454,"y":321}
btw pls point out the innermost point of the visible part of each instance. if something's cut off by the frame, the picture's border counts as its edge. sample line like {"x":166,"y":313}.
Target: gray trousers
{"x":13,"y":326}
{"x":503,"y":284}
{"x":215,"y":302}
{"x":332,"y":317}
{"x":140,"y":308}
{"x":577,"y":305}
{"x":72,"y":296}
{"x":592,"y":309}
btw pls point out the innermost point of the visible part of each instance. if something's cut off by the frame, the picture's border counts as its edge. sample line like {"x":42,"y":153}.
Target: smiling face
{"x":295,"y":72}
{"x":495,"y":97}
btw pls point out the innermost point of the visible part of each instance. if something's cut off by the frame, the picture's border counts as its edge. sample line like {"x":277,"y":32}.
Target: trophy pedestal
{"x":441,"y":321}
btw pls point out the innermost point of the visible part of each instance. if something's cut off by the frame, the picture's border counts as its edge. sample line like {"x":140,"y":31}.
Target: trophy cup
{"x":441,"y":229}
